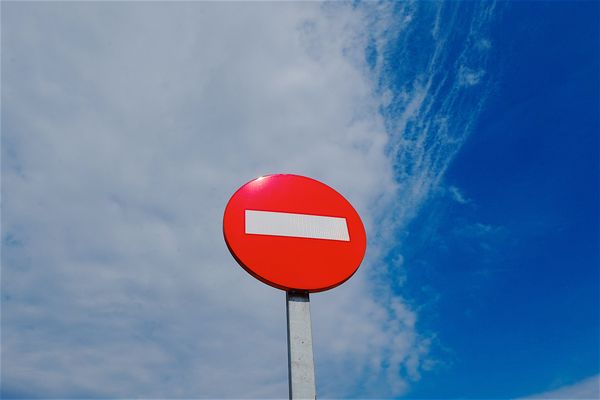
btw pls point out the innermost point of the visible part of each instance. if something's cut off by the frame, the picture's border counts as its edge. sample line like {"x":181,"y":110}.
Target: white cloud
{"x":469,"y":77}
{"x":458,"y":196}
{"x":432,"y":111}
{"x":126,"y":127}
{"x":585,"y":389}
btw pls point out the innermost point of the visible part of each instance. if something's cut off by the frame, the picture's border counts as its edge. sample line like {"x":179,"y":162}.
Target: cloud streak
{"x":431,"y":109}
{"x":585,"y":389}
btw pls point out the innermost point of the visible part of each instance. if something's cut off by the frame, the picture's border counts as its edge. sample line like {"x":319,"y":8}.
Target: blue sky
{"x":465,"y":134}
{"x":515,"y":265}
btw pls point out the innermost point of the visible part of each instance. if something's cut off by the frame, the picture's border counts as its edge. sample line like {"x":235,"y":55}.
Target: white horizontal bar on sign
{"x":296,"y":225}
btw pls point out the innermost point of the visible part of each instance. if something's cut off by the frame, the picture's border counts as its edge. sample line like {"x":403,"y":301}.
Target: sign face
{"x":294,"y":233}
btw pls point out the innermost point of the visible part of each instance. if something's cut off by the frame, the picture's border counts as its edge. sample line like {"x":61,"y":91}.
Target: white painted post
{"x":301,"y":367}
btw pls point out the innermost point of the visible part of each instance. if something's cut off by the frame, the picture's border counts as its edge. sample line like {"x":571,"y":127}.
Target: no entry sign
{"x":294,"y":233}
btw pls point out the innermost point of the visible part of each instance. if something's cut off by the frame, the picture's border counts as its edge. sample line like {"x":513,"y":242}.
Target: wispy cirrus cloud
{"x":126,"y":126}
{"x":430,"y":107}
{"x":457,"y":195}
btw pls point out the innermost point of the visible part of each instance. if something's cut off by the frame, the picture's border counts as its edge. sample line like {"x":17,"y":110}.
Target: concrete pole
{"x":301,"y":367}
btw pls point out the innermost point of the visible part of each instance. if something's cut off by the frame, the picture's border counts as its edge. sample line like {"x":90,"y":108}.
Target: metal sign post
{"x":301,"y":367}
{"x":299,"y":235}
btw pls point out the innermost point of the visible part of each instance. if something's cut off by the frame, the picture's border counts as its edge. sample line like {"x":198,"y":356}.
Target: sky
{"x":465,"y":134}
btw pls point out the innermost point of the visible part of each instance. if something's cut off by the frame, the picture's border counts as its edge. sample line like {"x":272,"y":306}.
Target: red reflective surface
{"x":292,"y":263}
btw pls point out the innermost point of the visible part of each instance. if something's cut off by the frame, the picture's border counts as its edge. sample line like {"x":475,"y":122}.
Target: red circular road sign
{"x":294,"y":233}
